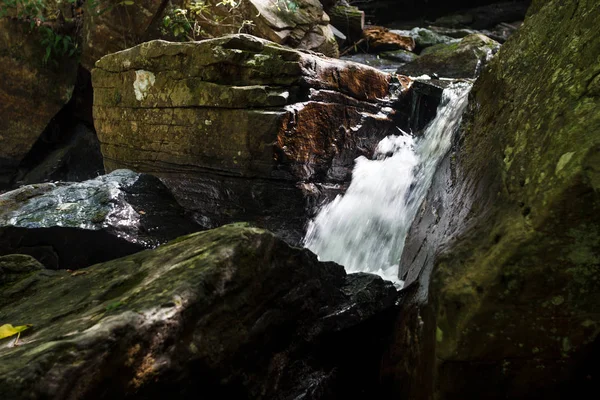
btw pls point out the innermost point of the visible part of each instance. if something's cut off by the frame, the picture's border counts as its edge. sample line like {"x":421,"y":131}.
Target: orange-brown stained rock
{"x":381,"y":39}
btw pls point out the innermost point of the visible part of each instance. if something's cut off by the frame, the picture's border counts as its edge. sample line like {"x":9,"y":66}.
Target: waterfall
{"x":364,"y":230}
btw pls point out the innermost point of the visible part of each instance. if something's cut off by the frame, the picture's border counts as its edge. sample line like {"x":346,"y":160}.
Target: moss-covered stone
{"x":464,"y":59}
{"x":504,"y":257}
{"x":231,"y":310}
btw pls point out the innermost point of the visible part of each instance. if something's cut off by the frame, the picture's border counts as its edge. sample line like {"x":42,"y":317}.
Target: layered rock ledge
{"x":238,"y":127}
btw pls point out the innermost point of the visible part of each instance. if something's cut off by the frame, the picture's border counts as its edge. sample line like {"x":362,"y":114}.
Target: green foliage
{"x":199,"y":17}
{"x":56,"y":46}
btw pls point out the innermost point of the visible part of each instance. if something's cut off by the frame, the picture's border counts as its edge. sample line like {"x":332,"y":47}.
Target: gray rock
{"x":454,"y":60}
{"x":72,"y":225}
{"x":425,"y":37}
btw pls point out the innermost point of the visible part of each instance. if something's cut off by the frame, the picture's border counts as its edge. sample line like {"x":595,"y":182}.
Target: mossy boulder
{"x":228,"y":312}
{"x":464,"y":59}
{"x":502,"y":266}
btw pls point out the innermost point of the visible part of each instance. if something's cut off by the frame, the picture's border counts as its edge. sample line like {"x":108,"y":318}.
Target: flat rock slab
{"x":232,"y":311}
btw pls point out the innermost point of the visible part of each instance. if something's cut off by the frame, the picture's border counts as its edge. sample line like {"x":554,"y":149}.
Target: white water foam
{"x":364,"y":230}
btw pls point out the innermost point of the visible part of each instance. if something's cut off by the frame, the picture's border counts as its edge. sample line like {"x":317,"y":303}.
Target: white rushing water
{"x":364,"y":230}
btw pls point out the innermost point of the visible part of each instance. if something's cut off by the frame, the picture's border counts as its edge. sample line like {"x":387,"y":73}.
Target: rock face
{"x":111,"y":28}
{"x":233,"y":311}
{"x":502,"y":265}
{"x":238,"y":127}
{"x":464,"y":59}
{"x":73,"y":225}
{"x":31,"y":93}
{"x":108,"y":28}
{"x":300,"y":24}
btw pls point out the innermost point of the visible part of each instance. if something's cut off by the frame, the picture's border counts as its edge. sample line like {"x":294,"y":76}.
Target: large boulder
{"x":464,"y":59}
{"x":238,"y":127}
{"x":232,"y":312}
{"x":31,"y":91}
{"x":73,"y":225}
{"x":501,"y":266}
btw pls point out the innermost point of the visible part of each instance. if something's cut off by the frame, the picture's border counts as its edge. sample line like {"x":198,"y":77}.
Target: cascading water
{"x":365,"y":229}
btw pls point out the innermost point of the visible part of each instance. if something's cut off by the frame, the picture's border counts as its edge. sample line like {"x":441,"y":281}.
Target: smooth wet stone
{"x":72,"y":225}
{"x":425,"y":38}
{"x":464,"y":59}
{"x":232,"y":312}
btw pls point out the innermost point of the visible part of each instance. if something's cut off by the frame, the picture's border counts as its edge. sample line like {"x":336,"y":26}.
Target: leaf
{"x":7,"y":330}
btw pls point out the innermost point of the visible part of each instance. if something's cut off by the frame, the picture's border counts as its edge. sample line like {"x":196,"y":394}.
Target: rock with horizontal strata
{"x":238,"y":127}
{"x":233,"y":312}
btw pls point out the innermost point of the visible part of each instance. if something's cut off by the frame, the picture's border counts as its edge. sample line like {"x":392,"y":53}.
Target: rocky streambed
{"x":142,"y":283}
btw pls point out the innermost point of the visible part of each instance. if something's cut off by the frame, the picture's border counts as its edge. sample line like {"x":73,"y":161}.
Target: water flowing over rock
{"x":238,"y":127}
{"x":501,"y":267}
{"x":365,"y":229}
{"x":31,"y":93}
{"x":232,"y":312}
{"x":73,"y":225}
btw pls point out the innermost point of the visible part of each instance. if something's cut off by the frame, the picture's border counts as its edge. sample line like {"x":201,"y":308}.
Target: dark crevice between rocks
{"x":68,"y":149}
{"x":65,"y":248}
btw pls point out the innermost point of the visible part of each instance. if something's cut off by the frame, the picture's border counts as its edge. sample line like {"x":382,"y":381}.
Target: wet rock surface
{"x":501,"y":296}
{"x":73,"y":225}
{"x":464,"y":59}
{"x":238,"y":127}
{"x":233,"y":311}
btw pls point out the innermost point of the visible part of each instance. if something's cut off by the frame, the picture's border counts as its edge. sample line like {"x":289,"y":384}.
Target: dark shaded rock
{"x":233,"y":311}
{"x":501,"y":265}
{"x":31,"y":92}
{"x":454,"y":60}
{"x":423,"y":100}
{"x":485,"y":17}
{"x":15,"y":267}
{"x":73,"y":158}
{"x":240,"y":128}
{"x":399,"y":56}
{"x":484,"y":12}
{"x":72,"y":225}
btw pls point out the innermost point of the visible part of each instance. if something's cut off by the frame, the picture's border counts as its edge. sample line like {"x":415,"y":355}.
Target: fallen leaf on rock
{"x":75,"y":273}
{"x":7,"y":330}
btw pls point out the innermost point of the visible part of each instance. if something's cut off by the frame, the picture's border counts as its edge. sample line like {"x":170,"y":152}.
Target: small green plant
{"x":56,"y":46}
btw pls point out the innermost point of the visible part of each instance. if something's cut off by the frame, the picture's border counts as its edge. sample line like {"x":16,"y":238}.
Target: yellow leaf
{"x":8,"y":330}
